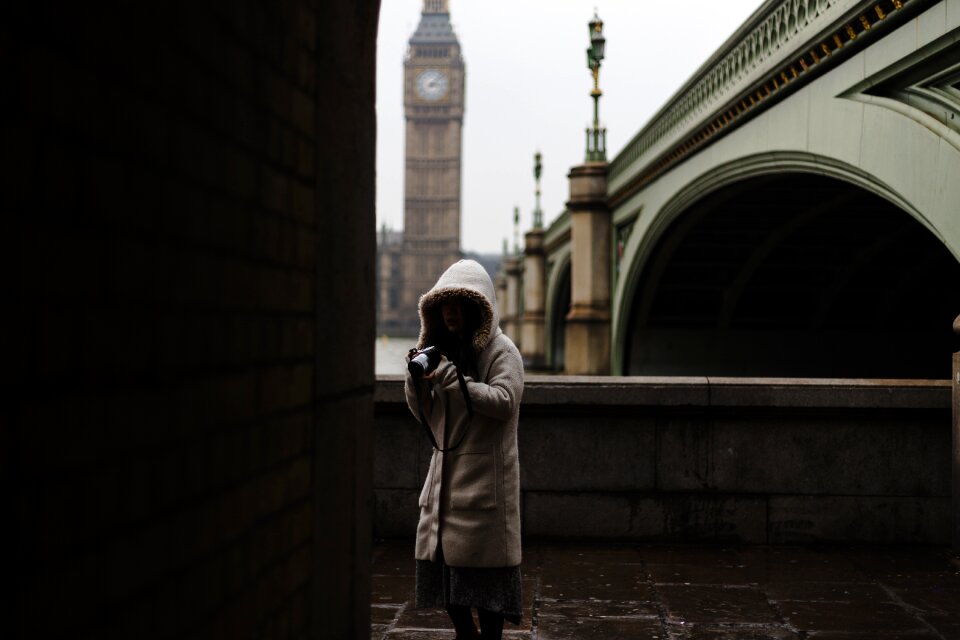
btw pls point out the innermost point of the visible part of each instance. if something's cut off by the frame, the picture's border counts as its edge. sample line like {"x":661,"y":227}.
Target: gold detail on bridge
{"x":837,"y":41}
{"x":851,"y":32}
{"x":880,"y":14}
{"x":816,"y":58}
{"x":825,"y":48}
{"x":866,"y":23}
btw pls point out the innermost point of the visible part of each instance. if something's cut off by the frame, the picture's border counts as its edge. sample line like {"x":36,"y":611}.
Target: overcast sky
{"x":528,"y":89}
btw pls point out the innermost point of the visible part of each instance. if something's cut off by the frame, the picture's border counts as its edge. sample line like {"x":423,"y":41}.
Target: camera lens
{"x":418,"y":365}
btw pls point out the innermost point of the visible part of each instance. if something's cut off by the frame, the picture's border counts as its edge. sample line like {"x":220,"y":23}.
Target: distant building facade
{"x":410,"y":263}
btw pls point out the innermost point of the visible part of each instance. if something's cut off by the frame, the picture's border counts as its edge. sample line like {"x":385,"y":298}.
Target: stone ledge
{"x":574,"y":391}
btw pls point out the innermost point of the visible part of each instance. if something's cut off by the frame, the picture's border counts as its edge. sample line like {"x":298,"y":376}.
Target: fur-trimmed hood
{"x":468,"y":279}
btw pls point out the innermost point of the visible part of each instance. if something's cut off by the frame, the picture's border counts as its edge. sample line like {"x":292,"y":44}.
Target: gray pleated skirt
{"x":496,"y":589}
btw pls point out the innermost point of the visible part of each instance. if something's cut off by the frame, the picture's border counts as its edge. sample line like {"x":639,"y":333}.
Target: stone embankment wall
{"x":760,"y":461}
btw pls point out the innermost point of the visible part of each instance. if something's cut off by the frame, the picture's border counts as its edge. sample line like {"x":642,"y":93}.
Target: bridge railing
{"x":782,"y":45}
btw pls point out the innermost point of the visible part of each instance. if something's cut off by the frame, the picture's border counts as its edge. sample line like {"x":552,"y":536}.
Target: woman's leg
{"x":463,"y":622}
{"x":491,"y":624}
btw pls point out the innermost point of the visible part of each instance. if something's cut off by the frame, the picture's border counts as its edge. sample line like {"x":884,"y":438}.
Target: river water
{"x":390,"y":355}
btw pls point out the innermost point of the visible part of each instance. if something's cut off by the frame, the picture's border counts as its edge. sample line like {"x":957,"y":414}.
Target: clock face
{"x":432,"y":84}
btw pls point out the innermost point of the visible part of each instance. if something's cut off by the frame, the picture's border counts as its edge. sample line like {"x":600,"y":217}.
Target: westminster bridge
{"x":793,"y":210}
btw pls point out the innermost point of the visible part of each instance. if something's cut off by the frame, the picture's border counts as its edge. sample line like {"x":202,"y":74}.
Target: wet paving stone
{"x":686,"y":554}
{"x":932,"y":600}
{"x":826,"y":592}
{"x":418,"y":634}
{"x":705,"y":574}
{"x":708,"y":604}
{"x":912,"y":579}
{"x":801,"y":565}
{"x":437,"y":634}
{"x":891,"y":559}
{"x":594,"y":581}
{"x":392,"y":589}
{"x":608,"y":554}
{"x":423,"y":619}
{"x":949,"y":629}
{"x":847,"y":617}
{"x":735,"y":632}
{"x":394,"y":558}
{"x":682,"y":592}
{"x":383,"y":615}
{"x":578,"y":609}
{"x":877,"y":635}
{"x":564,"y":628}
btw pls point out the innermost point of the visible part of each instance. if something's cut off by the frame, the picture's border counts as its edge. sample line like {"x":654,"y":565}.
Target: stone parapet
{"x":763,"y":461}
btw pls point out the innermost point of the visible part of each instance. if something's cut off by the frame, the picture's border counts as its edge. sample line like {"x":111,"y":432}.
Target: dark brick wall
{"x":189,"y":211}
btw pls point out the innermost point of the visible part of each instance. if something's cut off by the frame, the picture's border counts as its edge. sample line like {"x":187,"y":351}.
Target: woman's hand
{"x":433,"y":374}
{"x":442,"y":374}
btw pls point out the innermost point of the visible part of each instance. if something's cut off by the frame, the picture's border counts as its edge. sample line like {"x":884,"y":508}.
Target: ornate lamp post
{"x":596,"y":137}
{"x":533,"y":316}
{"x":516,"y":231}
{"x":537,"y":170}
{"x":587,"y":334}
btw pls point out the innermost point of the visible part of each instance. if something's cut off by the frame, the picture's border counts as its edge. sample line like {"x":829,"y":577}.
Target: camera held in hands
{"x":423,"y":361}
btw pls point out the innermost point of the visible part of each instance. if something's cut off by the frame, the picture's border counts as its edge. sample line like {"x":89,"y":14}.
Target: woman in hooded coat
{"x":468,"y":537}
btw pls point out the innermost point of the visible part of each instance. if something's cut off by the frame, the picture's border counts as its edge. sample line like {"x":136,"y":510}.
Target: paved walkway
{"x":701,"y":593}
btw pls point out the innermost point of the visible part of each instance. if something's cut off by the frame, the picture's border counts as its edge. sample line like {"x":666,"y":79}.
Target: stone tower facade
{"x":434,"y":83}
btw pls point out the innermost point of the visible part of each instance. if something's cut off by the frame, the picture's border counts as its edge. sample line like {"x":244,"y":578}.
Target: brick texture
{"x":188,"y":211}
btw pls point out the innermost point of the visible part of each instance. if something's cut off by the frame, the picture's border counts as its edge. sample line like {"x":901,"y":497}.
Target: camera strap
{"x":466,"y":400}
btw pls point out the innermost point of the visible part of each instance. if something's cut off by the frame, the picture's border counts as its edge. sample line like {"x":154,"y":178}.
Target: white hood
{"x":468,"y":279}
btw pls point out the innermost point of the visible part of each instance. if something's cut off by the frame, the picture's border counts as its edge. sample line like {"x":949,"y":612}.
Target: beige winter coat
{"x":471,"y":498}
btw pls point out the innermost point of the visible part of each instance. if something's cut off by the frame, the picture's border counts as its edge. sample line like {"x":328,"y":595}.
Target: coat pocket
{"x":473,"y":481}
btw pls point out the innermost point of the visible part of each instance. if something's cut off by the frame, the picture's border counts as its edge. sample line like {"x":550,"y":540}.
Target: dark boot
{"x":463,"y":622}
{"x":491,"y":624}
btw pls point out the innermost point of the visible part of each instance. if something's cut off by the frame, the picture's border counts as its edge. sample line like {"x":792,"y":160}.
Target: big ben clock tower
{"x":433,"y":104}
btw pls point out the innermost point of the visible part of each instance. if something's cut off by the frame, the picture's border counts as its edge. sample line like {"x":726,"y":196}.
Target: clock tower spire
{"x":435,"y":6}
{"x":433,"y":97}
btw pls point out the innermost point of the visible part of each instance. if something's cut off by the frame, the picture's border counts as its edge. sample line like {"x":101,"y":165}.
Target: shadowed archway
{"x":794,"y":275}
